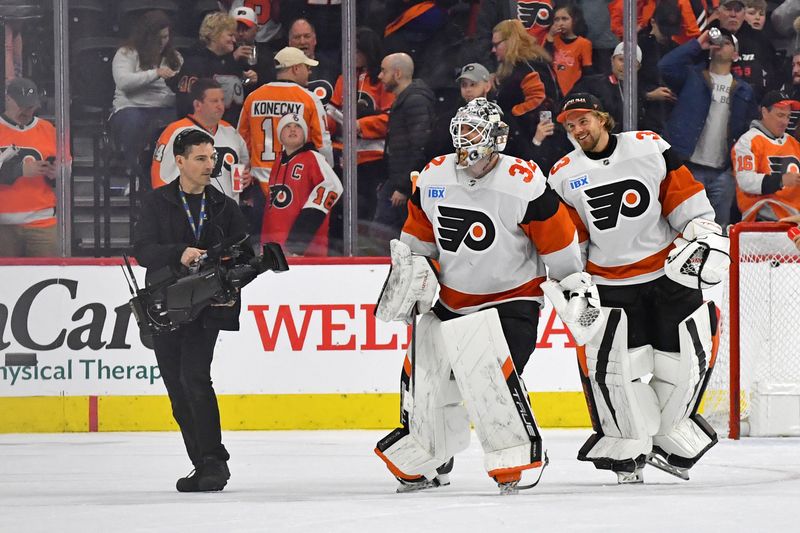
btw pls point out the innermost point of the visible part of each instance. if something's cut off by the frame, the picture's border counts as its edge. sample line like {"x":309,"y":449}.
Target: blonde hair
{"x":760,"y":5}
{"x":609,"y":120}
{"x":214,"y":24}
{"x":520,"y":46}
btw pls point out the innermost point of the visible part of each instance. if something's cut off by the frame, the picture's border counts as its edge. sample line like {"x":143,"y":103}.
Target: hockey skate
{"x":656,"y":460}
{"x":630,"y":478}
{"x":510,"y":485}
{"x":417,"y":484}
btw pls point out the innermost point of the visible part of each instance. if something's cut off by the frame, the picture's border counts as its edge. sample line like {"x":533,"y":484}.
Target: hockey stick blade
{"x":539,"y":478}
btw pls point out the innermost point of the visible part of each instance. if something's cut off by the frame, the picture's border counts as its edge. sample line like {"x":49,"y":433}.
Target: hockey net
{"x":755,"y":385}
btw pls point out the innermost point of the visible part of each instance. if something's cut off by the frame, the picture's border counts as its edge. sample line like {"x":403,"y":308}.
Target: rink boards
{"x":310,"y":354}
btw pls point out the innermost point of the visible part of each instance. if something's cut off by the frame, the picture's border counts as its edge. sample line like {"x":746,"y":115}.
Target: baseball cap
{"x":474,"y":72}
{"x":291,"y":56}
{"x":23,"y":91}
{"x":293,"y":118}
{"x":579,"y":102}
{"x":620,"y":50}
{"x":779,"y":98}
{"x":726,"y":2}
{"x":245,"y":15}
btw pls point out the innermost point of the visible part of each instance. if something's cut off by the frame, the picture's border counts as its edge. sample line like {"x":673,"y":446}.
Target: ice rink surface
{"x":330,"y":481}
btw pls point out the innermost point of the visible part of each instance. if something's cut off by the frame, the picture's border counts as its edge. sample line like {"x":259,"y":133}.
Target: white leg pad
{"x":497,"y":402}
{"x":438,"y":424}
{"x":626,"y":409}
{"x":678,"y":380}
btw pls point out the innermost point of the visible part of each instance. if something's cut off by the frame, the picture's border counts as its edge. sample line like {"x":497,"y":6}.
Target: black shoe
{"x":214,"y":475}
{"x":188,"y":483}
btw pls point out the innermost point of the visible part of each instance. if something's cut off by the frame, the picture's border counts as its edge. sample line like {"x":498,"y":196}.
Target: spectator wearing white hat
{"x":608,"y":88}
{"x":249,"y":52}
{"x":303,"y":188}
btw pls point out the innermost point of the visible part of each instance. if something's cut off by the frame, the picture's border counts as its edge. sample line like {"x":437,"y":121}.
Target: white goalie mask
{"x":478,"y":131}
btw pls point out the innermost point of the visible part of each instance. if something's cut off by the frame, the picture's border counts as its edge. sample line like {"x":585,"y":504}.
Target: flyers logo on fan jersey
{"x":536,"y":13}
{"x":456,"y":225}
{"x":781,"y":164}
{"x":628,"y":198}
{"x":281,"y":196}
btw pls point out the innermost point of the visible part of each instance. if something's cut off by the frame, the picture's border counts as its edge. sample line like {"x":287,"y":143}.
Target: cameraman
{"x":177,"y":224}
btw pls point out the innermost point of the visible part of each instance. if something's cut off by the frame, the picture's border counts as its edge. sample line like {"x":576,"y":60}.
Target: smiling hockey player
{"x":493,"y":224}
{"x":647,"y":230}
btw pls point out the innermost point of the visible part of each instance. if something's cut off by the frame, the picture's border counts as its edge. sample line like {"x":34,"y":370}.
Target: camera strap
{"x":197,"y":229}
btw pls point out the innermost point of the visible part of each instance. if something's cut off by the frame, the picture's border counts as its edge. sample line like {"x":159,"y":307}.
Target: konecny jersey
{"x":492,"y":236}
{"x":629,"y":206}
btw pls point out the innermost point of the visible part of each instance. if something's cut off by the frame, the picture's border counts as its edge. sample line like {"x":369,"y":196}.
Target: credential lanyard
{"x":197,"y":229}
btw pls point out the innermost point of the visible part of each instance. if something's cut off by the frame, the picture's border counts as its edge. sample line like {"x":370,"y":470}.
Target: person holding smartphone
{"x":550,"y":141}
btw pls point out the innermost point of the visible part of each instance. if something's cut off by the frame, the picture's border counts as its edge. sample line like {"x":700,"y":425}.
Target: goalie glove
{"x":701,"y":256}
{"x":410,"y":287}
{"x":577,"y":303}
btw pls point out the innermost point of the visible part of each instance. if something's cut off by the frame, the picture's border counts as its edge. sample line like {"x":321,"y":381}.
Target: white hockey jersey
{"x":492,"y":236}
{"x":229,"y":145}
{"x":629,"y":206}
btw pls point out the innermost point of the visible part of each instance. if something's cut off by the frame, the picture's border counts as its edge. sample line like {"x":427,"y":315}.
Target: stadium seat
{"x":91,"y":80}
{"x":130,"y":10}
{"x":88,"y":18}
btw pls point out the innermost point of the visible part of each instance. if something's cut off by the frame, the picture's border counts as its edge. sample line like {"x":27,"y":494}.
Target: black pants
{"x":519,"y":320}
{"x":184,"y":358}
{"x":654,"y":310}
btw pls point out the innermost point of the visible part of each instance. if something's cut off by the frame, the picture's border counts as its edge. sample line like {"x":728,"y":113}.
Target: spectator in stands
{"x":265,"y":106}
{"x":410,"y":121}
{"x":599,"y":33}
{"x":27,"y":175}
{"x":213,"y":58}
{"x":526,"y":83}
{"x":608,"y":88}
{"x":536,"y":16}
{"x":756,"y":54}
{"x":250,"y":53}
{"x":302,"y":35}
{"x":766,"y":163}
{"x":473,"y":81}
{"x":792,"y":88}
{"x":303,"y":189}
{"x":372,"y":119}
{"x":572,"y":53}
{"x":656,"y":42}
{"x":644,"y":12}
{"x":755,"y":13}
{"x":714,"y":107}
{"x":208,"y":100}
{"x":783,"y":19}
{"x":142,"y":101}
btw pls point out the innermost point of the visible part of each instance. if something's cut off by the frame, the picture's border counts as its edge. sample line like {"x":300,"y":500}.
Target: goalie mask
{"x":478,"y":131}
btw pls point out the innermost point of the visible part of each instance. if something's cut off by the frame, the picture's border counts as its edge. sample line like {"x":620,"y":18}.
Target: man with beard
{"x":641,"y":218}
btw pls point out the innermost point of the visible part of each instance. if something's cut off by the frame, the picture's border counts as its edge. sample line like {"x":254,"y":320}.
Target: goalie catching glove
{"x":581,"y":312}
{"x":410,"y":287}
{"x":701,"y":255}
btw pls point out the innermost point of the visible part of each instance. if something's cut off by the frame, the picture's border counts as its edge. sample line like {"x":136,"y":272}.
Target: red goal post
{"x":757,"y":359}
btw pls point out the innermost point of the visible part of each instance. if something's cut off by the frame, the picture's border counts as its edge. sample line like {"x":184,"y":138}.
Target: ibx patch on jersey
{"x":436,"y":192}
{"x":580,"y":181}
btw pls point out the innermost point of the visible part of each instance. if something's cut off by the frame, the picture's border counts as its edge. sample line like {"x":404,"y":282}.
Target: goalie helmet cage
{"x":757,"y":366}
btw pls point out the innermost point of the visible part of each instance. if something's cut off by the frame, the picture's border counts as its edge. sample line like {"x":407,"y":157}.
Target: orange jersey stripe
{"x":458,"y":300}
{"x":408,"y":15}
{"x":644,"y":266}
{"x":418,"y":225}
{"x":553,"y":234}
{"x":678,"y":186}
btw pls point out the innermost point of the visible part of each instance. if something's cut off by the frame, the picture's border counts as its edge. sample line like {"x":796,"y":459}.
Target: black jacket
{"x":609,"y":90}
{"x":162,"y":233}
{"x":411,"y":118}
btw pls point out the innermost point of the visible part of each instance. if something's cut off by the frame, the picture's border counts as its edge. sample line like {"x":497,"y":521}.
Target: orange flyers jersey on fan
{"x":629,"y":206}
{"x":229,"y":145}
{"x":261,"y":113}
{"x":569,"y":60}
{"x":28,"y":201}
{"x":492,"y":236}
{"x":759,"y":163}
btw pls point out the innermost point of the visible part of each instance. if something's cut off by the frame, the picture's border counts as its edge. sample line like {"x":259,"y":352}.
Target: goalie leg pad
{"x":496,"y":399}
{"x":679,"y":380}
{"x":435,"y":423}
{"x":626,"y":410}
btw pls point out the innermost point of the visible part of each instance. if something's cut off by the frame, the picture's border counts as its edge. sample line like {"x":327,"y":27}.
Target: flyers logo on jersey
{"x":281,"y":196}
{"x":473,"y":228}
{"x":780,"y":165}
{"x":628,"y":198}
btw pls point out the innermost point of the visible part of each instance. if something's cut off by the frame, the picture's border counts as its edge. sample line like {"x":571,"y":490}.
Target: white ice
{"x":330,"y":481}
